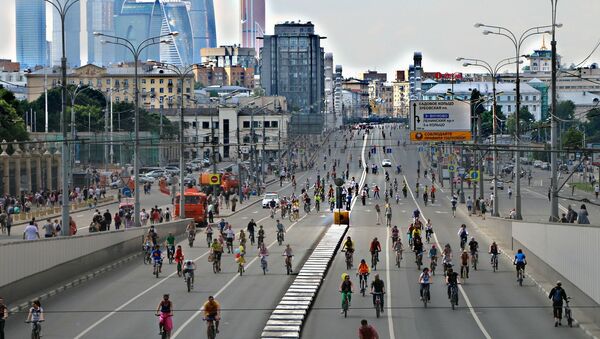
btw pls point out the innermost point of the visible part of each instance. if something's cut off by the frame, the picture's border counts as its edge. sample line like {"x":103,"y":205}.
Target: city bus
{"x":195,"y":205}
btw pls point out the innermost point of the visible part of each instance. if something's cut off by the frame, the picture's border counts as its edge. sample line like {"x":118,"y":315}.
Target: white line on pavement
{"x":462,"y":290}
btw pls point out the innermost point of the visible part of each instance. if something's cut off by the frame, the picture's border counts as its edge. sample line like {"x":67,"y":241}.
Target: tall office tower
{"x":329,"y":83}
{"x":100,"y":18}
{"x":137,"y":22}
{"x":204,"y":32}
{"x":31,"y":33}
{"x":72,"y":38}
{"x":118,"y":5}
{"x":252,"y":23}
{"x":337,"y":90}
{"x":292,"y":65}
{"x":177,"y":19}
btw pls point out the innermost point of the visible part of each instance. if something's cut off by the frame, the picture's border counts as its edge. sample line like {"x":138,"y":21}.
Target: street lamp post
{"x":518,"y":43}
{"x":63,"y":7}
{"x":136,"y":52}
{"x":493,"y":71}
{"x":554,"y":132}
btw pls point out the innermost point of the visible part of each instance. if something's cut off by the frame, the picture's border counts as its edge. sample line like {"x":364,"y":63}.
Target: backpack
{"x":557,"y":296}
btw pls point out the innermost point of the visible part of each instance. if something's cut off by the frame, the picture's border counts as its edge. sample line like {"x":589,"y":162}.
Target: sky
{"x":383,"y":34}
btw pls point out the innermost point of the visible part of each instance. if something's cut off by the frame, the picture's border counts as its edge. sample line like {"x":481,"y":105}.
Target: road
{"x":492,"y":305}
{"x":121,"y":303}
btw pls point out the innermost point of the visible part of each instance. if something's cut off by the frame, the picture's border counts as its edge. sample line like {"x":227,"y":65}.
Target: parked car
{"x":172,"y":170}
{"x":145,"y":179}
{"x":268,"y":197}
{"x":386,"y":163}
{"x":537,"y":163}
{"x":499,"y":184}
{"x":189,"y":180}
{"x":157,"y":173}
{"x":545,"y":166}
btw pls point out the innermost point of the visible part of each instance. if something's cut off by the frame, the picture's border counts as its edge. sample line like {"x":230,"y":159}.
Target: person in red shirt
{"x":366,"y":331}
{"x":179,"y":259}
{"x":155,"y":216}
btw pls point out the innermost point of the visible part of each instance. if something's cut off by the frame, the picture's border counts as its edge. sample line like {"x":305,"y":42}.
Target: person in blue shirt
{"x":520,"y":261}
{"x":157,"y":256}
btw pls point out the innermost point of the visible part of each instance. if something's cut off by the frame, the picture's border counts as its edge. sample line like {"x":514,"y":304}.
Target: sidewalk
{"x":55,"y":212}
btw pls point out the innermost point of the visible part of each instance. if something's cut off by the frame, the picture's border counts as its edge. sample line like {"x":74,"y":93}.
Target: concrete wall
{"x":28,"y":267}
{"x":571,"y":250}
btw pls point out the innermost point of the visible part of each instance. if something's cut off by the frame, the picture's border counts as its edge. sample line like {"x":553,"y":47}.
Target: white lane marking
{"x":545,"y":197}
{"x":462,"y":290}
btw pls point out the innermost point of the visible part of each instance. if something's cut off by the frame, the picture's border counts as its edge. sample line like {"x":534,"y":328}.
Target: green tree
{"x":565,"y":110}
{"x":525,"y":117}
{"x":12,"y":126}
{"x":592,"y":127}
{"x":572,"y":138}
{"x":487,"y":121}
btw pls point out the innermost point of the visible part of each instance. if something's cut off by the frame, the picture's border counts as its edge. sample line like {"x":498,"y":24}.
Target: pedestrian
{"x":167,"y":215}
{"x":57,"y":228}
{"x":549,"y":192}
{"x":483,"y":208}
{"x":366,"y":331}
{"x":107,"y":219}
{"x":3,"y":316}
{"x":597,"y":190}
{"x":572,"y":190}
{"x":571,"y":215}
{"x":9,"y":222}
{"x":378,"y":212}
{"x":557,"y":295}
{"x":233,"y":203}
{"x":509,"y":192}
{"x":49,"y":229}
{"x":72,"y":226}
{"x":582,"y":218}
{"x":117,"y":220}
{"x":31,"y":231}
{"x":469,"y":205}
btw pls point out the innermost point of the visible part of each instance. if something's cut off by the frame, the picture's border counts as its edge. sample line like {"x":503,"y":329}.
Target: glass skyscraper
{"x":177,"y":19}
{"x":31,"y":33}
{"x":100,"y":18}
{"x":72,"y":38}
{"x":202,"y":17}
{"x":252,"y":23}
{"x":137,"y":22}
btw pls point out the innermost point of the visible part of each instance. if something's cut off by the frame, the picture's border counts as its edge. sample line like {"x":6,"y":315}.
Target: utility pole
{"x":262,"y":165}
{"x":554,"y":125}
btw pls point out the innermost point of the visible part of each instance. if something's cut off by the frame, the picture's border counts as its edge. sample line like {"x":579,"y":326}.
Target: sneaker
{"x":556,"y":324}
{"x":342,"y":312}
{"x":421,"y":298}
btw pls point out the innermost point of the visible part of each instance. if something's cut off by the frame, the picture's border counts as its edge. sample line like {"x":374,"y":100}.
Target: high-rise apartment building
{"x":252,"y":23}
{"x":100,"y":18}
{"x":72,"y":36}
{"x":337,"y":90}
{"x":204,"y":31}
{"x":292,"y":65}
{"x":30,"y":29}
{"x":328,"y":67}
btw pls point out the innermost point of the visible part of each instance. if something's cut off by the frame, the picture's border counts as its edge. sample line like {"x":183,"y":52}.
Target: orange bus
{"x":195,"y":205}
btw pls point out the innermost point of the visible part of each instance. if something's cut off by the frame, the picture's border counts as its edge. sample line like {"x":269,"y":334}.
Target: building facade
{"x":30,"y":28}
{"x":72,"y":36}
{"x":337,"y":90}
{"x":204,"y":31}
{"x":224,"y":76}
{"x":252,"y":23}
{"x":100,"y":18}
{"x":176,"y":18}
{"x":229,"y":56}
{"x":292,"y":65}
{"x":136,"y":22}
{"x":361,"y":89}
{"x":373,"y":76}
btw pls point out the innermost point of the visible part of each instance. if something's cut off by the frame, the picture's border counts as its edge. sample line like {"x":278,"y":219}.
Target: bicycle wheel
{"x":241,"y":269}
{"x":374,"y":262}
{"x":211,"y":332}
{"x":188,"y":282}
{"x":377,"y":309}
{"x":345,"y":307}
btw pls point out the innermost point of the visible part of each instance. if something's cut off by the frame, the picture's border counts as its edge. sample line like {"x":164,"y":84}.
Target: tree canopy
{"x":12,"y":126}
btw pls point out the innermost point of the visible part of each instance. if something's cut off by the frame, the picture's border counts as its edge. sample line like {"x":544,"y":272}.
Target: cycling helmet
{"x":363,"y":261}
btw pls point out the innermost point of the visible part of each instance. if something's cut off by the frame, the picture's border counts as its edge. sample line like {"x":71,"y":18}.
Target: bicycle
{"x":419,"y":260}
{"x":211,"y":331}
{"x":374,"y":259}
{"x":398,"y":258}
{"x":426,"y":295}
{"x":568,"y":314}
{"x":261,"y":241}
{"x":147,"y":258}
{"x":349,"y":259}
{"x":36,"y":328}
{"x":433,"y":265}
{"x":362,"y":280}
{"x":463,"y":242}
{"x":217,"y":262}
{"x":208,"y":239}
{"x":294,"y":216}
{"x":520,"y":275}
{"x":240,"y":268}
{"x":454,"y":295}
{"x":494,"y":261}
{"x":156,"y":268}
{"x":280,"y":237}
{"x":188,"y":281}
{"x":251,"y":237}
{"x":474,"y":259}
{"x":377,"y":304}
{"x":288,"y":264}
{"x":264,"y":264}
{"x":345,"y":303}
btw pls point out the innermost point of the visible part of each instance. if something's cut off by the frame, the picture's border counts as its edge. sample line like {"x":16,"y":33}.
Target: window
{"x":267,"y":124}
{"x":205,"y":125}
{"x":143,"y":81}
{"x":246,"y":124}
{"x":108,"y":82}
{"x":170,"y":82}
{"x":161,"y":81}
{"x":161,"y":90}
{"x":274,"y":124}
{"x":534,"y":98}
{"x":509,"y":108}
{"x":152,"y":81}
{"x":170,"y":89}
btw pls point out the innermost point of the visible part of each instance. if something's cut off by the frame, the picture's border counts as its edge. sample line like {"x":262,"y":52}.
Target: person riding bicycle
{"x":165,"y":311}
{"x":416,"y":232}
{"x":209,"y":231}
{"x":409,"y":232}
{"x":156,"y":256}
{"x":36,"y":314}
{"x":464,"y":264}
{"x":416,"y":214}
{"x":261,"y":234}
{"x":189,"y":267}
{"x":272,"y":205}
{"x":418,"y":248}
{"x":190,"y":228}
{"x":473,"y":246}
{"x":217,"y":249}
{"x":229,"y":237}
{"x":375,"y":247}
{"x":288,"y":254}
{"x":242,"y":237}
{"x":250,"y":228}
{"x":451,"y":280}
{"x":348,"y":245}
{"x":463,"y":235}
{"x":433,"y":253}
{"x":494,"y":251}
{"x":179,"y":257}
{"x":212,"y":311}
{"x":447,"y":257}
{"x":395,"y":234}
{"x":453,"y":202}
{"x":280,"y":228}
{"x":377,"y":287}
{"x":347,"y":288}
{"x":170,"y":243}
{"x":520,"y":261}
{"x":424,"y":281}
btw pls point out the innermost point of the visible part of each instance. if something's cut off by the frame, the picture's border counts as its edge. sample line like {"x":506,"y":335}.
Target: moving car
{"x":499,"y":184}
{"x":386,"y":163}
{"x":268,"y":197}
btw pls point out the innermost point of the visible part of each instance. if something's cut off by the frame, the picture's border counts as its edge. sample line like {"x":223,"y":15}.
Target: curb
{"x":287,"y":319}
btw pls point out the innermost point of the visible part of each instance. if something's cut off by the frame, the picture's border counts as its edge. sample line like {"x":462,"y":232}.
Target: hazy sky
{"x":383,"y":34}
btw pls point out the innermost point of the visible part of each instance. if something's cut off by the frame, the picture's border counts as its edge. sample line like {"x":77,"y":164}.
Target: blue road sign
{"x":474,"y":175}
{"x":127,"y":192}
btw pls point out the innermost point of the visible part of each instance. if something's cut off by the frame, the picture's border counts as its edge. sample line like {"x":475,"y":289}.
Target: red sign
{"x":448,"y":76}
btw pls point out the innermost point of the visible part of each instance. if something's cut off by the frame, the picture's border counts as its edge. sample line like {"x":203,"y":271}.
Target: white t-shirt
{"x":31,"y":232}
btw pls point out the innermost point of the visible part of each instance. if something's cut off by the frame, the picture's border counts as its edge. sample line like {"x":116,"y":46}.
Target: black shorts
{"x":520,"y":265}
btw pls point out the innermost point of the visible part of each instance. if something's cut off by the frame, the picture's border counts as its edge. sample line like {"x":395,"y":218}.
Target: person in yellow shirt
{"x":212,"y":311}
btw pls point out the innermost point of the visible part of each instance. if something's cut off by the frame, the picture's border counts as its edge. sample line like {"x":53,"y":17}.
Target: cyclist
{"x":377,"y":288}
{"x":494,"y":251}
{"x":363,"y":272}
{"x":190,"y":229}
{"x":36,"y":314}
{"x":229,"y":236}
{"x":473,"y":248}
{"x":418,"y":249}
{"x":179,"y":259}
{"x":165,"y":311}
{"x":170,"y":243}
{"x":212,"y":311}
{"x":428,"y":230}
{"x":250,"y":228}
{"x":416,"y":232}
{"x":395,"y":234}
{"x":425,"y":196}
{"x":416,"y":214}
{"x":464,"y":264}
{"x":348,"y":245}
{"x":433,"y":253}
{"x":520,"y":261}
{"x":409,"y":232}
{"x":388,"y":215}
{"x":447,"y":258}
{"x":189,"y":266}
{"x":261,"y":235}
{"x":453,"y":202}
{"x":280,"y":228}
{"x":209,"y":233}
{"x":157,"y":257}
{"x":463,"y":235}
{"x":272,"y":205}
{"x":242,"y":238}
{"x":347,"y":288}
{"x":375,"y":248}
{"x":424,"y":281}
{"x":451,"y":280}
{"x":216,"y":249}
